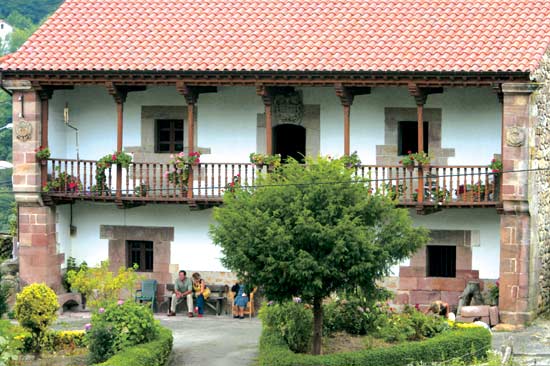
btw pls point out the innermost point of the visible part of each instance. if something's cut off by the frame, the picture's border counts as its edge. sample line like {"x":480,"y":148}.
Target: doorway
{"x":290,"y":141}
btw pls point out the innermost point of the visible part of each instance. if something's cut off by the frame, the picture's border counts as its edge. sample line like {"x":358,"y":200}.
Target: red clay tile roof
{"x":290,"y":35}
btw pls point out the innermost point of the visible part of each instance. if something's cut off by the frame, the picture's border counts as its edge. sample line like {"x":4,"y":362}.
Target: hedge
{"x":54,"y":341}
{"x":154,"y":353}
{"x":464,"y":343}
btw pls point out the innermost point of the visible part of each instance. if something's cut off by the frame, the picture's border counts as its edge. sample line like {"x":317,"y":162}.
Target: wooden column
{"x":191,"y":96}
{"x":347,"y":95}
{"x":267,"y":97}
{"x":119,"y":94}
{"x":500,"y":95}
{"x":420,"y":95}
{"x":45,"y":95}
{"x":346,"y":98}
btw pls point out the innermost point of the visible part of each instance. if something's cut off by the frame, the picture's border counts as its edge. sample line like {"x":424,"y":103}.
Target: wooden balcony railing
{"x":69,"y":179}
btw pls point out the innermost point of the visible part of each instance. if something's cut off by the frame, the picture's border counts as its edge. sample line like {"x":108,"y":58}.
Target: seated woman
{"x":201,"y":293}
{"x":241,"y":299}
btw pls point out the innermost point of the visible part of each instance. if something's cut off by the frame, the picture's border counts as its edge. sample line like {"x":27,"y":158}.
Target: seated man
{"x":183,"y":288}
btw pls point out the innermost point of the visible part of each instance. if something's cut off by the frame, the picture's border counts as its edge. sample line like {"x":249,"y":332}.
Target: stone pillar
{"x":38,"y":257}
{"x":517,"y":301}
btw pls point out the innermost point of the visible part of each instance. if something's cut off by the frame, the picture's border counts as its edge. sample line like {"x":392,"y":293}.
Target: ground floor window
{"x":140,"y":253}
{"x":441,"y":261}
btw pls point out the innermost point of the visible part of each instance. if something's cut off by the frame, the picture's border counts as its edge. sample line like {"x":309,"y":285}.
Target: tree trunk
{"x":317,"y":325}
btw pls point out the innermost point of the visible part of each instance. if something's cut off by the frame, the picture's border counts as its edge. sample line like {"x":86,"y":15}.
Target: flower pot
{"x":43,"y":162}
{"x":410,"y":168}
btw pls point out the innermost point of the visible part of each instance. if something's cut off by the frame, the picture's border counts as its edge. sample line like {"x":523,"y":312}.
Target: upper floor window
{"x":168,"y":135}
{"x":408,"y":137}
{"x":441,"y":261}
{"x":140,"y":253}
{"x":1,"y":26}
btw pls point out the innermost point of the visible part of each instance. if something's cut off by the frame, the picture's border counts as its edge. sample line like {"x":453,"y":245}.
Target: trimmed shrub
{"x":154,"y":353}
{"x":35,"y":309}
{"x":129,"y":324}
{"x":292,"y":321}
{"x":466,"y":344}
{"x":54,"y":341}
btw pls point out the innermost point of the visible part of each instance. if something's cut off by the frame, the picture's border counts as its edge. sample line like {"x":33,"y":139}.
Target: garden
{"x":317,"y":241}
{"x":357,"y":331}
{"x":121,"y":332}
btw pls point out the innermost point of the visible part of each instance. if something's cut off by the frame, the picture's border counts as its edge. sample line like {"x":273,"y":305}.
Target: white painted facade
{"x":227,"y":120}
{"x":193,"y":249}
{"x":227,"y":123}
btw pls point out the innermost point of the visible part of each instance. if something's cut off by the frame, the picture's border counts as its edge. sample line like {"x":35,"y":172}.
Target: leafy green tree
{"x":33,"y":9}
{"x":309,"y":230}
{"x":18,"y":37}
{"x":17,"y":20}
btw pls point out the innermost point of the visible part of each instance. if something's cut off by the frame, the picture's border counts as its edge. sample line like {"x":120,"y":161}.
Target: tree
{"x":309,"y":230}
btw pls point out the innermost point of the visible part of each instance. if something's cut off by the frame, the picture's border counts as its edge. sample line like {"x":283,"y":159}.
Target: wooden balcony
{"x":141,"y":183}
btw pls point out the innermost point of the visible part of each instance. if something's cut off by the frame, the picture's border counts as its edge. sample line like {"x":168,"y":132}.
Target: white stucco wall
{"x":471,"y":121}
{"x":193,"y":249}
{"x":485,"y":248}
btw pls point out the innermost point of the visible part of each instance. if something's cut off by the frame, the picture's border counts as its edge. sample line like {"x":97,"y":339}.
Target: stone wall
{"x":540,"y":180}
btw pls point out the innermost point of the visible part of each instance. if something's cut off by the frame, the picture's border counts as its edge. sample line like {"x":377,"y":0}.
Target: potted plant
{"x":42,"y":154}
{"x":421,"y":159}
{"x":141,"y":190}
{"x":180,"y":166}
{"x":351,"y":161}
{"x":63,"y":182}
{"x":271,"y":161}
{"x":234,"y":184}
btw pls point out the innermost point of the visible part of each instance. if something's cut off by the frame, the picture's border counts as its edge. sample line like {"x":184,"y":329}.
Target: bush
{"x":101,"y":286}
{"x":7,"y":352}
{"x":411,"y":324}
{"x":4,"y":294}
{"x":35,"y":309}
{"x":54,"y":341}
{"x":353,"y":316}
{"x":128,"y":323}
{"x":292,"y":321}
{"x":71,"y":266}
{"x":154,"y":353}
{"x":467,"y":344}
{"x":100,"y":343}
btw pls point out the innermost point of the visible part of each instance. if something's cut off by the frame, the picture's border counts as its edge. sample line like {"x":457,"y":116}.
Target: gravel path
{"x":213,"y":341}
{"x":531,"y":346}
{"x":209,"y":341}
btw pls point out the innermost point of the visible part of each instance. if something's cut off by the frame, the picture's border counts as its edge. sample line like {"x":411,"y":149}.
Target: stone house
{"x":466,"y":81}
{"x":5,"y":29}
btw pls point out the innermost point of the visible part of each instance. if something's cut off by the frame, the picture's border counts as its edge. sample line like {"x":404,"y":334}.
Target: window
{"x":140,"y":253}
{"x":168,"y":135}
{"x":441,"y":261}
{"x":408,"y":137}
